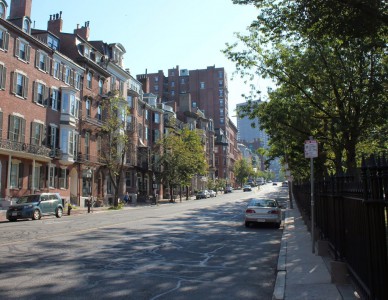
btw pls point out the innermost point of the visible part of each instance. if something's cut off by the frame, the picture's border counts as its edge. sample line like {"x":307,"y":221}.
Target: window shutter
{"x":43,"y":135}
{"x":17,"y":47}
{"x":47,"y":63}
{"x":11,"y":127}
{"x":35,"y":95}
{"x":6,"y":41}
{"x":28,"y":52}
{"x":61,"y":67}
{"x":22,"y":130}
{"x":14,"y":80}
{"x":63,"y":77}
{"x":49,"y":142}
{"x":33,"y":129}
{"x":37,"y":57}
{"x":46,"y":95}
{"x":21,"y":171}
{"x":57,"y":138}
{"x":25,"y":86}
{"x":59,"y":100}
{"x":3,"y":76}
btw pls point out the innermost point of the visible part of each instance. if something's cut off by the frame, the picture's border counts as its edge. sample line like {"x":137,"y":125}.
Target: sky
{"x":160,"y":34}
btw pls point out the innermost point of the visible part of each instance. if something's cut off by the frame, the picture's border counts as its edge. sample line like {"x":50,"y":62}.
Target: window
{"x":4,"y":39}
{"x":172,"y":73}
{"x":2,"y":11}
{"x":87,"y":108}
{"x":67,"y":75}
{"x":146,"y":113}
{"x":51,"y":176}
{"x":99,"y":147}
{"x":155,"y":135}
{"x":201,"y":85}
{"x":156,"y":79}
{"x":220,"y":74}
{"x":156,"y":88}
{"x":26,"y":25}
{"x":146,"y":133}
{"x":1,"y":128}
{"x":77,"y":81}
{"x":172,"y":83}
{"x":22,"y":50}
{"x":194,"y":104}
{"x":56,"y":69}
{"x":16,"y":130}
{"x":99,"y":113}
{"x":53,"y":132}
{"x":62,"y":179}
{"x":40,"y":93}
{"x":128,"y":183}
{"x":172,"y":93}
{"x":112,"y":83}
{"x":100,"y":87}
{"x":130,"y":101}
{"x":221,"y":93}
{"x":53,"y":42}
{"x":221,"y":102}
{"x":70,"y":104}
{"x":89,"y":77}
{"x":221,"y":112}
{"x":37,"y":134}
{"x":121,"y":87}
{"x":156,"y":118}
{"x":183,"y":81}
{"x":54,"y":98}
{"x":20,"y":85}
{"x":16,"y":174}
{"x":220,"y":83}
{"x":3,"y":76}
{"x":222,"y":120}
{"x":42,"y":61}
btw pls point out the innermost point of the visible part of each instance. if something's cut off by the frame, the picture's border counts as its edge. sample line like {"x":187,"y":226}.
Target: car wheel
{"x":59,"y":212}
{"x":12,"y":219}
{"x":277,"y":225}
{"x":247,"y":223}
{"x":36,"y":215}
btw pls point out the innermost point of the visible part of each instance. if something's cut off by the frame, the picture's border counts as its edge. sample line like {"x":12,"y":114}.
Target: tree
{"x":182,"y":157}
{"x":330,"y":78}
{"x":114,"y":140}
{"x":242,"y":170}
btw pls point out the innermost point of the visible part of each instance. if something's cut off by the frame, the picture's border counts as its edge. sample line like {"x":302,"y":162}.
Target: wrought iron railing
{"x":24,"y":147}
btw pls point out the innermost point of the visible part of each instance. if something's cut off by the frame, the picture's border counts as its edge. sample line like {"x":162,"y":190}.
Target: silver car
{"x":212,"y":193}
{"x":263,"y":210}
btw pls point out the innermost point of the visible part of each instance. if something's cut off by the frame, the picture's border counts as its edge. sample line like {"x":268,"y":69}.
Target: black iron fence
{"x":351,"y":214}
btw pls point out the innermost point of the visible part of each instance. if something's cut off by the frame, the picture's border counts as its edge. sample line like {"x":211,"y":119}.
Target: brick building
{"x":208,"y":90}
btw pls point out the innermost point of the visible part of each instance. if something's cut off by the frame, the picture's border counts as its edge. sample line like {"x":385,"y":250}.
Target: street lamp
{"x":154,"y":186}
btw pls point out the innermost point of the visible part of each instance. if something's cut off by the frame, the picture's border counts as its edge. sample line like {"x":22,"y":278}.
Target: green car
{"x":35,"y":206}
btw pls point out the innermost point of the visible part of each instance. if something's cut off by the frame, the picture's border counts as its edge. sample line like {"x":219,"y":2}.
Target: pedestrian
{"x":126,"y":198}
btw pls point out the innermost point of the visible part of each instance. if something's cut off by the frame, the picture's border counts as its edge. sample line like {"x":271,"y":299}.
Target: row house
{"x":40,"y":90}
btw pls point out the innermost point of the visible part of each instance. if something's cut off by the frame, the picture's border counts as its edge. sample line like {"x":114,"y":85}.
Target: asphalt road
{"x":197,"y":249}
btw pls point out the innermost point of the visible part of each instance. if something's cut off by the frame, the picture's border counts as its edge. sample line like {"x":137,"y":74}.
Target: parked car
{"x":247,"y":188}
{"x":203,"y":194}
{"x":284,"y":184}
{"x":263,"y":210}
{"x":274,"y":183}
{"x":35,"y":206}
{"x":228,"y":189}
{"x":212,"y":193}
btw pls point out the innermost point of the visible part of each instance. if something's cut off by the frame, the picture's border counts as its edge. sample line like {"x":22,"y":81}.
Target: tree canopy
{"x":328,"y":60}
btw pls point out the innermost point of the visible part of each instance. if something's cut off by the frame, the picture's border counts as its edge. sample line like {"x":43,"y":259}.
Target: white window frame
{"x":5,"y":39}
{"x":51,"y":176}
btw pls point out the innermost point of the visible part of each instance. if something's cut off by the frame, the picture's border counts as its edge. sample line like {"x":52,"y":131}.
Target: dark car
{"x":35,"y":206}
{"x":228,"y":189}
{"x":202,"y":194}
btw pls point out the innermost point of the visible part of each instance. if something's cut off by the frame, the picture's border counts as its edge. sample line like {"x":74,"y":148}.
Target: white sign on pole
{"x":310,"y":149}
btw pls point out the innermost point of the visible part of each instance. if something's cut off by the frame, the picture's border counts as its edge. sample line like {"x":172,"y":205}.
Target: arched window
{"x":2,"y":11}
{"x":89,"y":79}
{"x":26,"y":26}
{"x":87,"y":107}
{"x":100,"y":87}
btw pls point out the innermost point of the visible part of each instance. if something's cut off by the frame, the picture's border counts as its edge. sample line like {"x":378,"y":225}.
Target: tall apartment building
{"x":208,"y":90}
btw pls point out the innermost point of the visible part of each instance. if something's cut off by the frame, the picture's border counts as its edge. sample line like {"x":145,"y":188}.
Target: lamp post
{"x":154,"y":187}
{"x":88,"y":175}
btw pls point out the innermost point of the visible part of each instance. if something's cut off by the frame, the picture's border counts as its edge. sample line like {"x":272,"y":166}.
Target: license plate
{"x":14,"y":213}
{"x":260,"y":220}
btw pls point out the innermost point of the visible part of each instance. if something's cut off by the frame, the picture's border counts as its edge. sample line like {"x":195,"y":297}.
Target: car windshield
{"x":28,"y":199}
{"x":262,"y":203}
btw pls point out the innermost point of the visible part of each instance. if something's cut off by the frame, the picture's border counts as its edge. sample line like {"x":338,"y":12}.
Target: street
{"x":197,"y":249}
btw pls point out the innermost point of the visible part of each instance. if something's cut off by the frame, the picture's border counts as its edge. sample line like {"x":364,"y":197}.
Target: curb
{"x":281,"y":270}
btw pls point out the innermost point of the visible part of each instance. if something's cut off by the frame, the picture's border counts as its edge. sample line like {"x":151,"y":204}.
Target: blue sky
{"x":160,"y":34}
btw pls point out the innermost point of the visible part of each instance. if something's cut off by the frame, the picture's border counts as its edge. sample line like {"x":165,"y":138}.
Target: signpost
{"x":311,"y":151}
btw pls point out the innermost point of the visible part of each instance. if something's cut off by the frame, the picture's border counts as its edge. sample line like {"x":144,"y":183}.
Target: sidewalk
{"x":300,"y":273}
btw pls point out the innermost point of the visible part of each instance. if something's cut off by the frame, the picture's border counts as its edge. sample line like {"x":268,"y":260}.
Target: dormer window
{"x":26,"y":26}
{"x":2,"y":11}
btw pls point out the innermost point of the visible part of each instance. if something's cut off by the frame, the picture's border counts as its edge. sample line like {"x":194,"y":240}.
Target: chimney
{"x":20,"y":9}
{"x":54,"y":25}
{"x":84,"y":31}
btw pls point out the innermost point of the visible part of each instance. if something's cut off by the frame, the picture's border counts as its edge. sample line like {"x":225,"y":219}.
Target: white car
{"x":212,"y":193}
{"x":263,"y":210}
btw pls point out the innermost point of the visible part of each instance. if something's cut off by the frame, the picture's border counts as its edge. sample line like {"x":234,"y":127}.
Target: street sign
{"x":310,"y":149}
